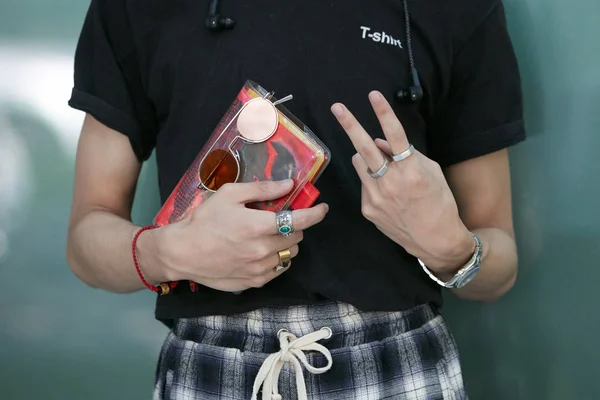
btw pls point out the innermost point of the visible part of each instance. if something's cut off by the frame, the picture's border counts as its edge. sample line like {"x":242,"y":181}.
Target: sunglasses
{"x":256,"y":122}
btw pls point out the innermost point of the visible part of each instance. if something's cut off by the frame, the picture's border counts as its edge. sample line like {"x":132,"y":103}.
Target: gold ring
{"x":284,"y":255}
{"x":285,"y":259}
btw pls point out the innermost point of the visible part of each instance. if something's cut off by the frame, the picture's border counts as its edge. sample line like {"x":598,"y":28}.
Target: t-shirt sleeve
{"x":107,"y":78}
{"x":482,"y":111}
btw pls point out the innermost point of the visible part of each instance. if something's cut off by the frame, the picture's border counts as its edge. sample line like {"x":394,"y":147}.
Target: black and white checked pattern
{"x":376,"y":355}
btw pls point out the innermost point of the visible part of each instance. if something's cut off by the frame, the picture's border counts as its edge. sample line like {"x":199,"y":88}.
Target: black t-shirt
{"x":152,"y":71}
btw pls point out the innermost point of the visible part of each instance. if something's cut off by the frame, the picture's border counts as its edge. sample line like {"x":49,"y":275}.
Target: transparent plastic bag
{"x":291,"y":151}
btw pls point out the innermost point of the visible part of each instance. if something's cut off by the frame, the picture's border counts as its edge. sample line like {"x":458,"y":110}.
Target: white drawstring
{"x":291,"y":351}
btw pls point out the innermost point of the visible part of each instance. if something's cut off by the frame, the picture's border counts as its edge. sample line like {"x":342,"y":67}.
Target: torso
{"x":321,"y":52}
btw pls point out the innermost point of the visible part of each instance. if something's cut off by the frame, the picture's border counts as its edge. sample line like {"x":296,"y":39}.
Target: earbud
{"x":414,"y":93}
{"x":215,"y":22}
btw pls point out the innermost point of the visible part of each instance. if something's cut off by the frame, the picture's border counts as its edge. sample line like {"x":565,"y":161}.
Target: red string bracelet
{"x":163,"y":288}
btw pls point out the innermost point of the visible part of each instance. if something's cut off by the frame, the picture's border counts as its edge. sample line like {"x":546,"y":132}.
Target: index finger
{"x":390,"y":124}
{"x":363,"y":143}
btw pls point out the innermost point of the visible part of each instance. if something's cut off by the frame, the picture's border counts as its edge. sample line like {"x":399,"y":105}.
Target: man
{"x":424,"y":208}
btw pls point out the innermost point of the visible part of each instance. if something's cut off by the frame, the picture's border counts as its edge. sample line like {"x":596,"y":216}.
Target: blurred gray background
{"x":62,"y":340}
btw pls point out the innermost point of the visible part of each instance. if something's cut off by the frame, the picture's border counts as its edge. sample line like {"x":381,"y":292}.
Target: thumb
{"x":247,"y":192}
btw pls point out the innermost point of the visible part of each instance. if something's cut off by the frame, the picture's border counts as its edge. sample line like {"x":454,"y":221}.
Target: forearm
{"x":498,"y":268}
{"x":99,"y":253}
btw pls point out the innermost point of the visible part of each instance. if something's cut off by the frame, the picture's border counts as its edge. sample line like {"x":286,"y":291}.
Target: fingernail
{"x":337,"y":110}
{"x":375,"y":96}
{"x":286,"y":182}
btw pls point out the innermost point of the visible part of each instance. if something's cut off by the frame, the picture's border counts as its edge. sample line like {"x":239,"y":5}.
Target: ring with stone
{"x":285,"y":226}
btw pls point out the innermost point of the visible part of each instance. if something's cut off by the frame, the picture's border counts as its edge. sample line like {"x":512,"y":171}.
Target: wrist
{"x":456,"y":254}
{"x":148,"y":250}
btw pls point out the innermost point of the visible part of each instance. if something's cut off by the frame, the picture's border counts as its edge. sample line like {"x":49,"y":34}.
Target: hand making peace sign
{"x":408,"y":199}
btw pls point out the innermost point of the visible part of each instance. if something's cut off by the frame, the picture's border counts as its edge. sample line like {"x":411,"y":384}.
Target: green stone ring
{"x":284,"y":223}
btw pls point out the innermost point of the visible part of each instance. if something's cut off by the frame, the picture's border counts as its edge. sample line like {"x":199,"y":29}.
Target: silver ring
{"x":282,"y":266}
{"x":381,"y":171}
{"x":405,"y":154}
{"x":285,"y":226}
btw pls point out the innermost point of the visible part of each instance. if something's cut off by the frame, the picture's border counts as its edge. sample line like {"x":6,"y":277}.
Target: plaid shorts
{"x":376,"y":355}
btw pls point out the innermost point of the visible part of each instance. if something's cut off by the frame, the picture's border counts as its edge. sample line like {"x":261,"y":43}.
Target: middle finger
{"x":302,"y":219}
{"x":363,"y":143}
{"x":391,"y":125}
{"x":266,"y":221}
